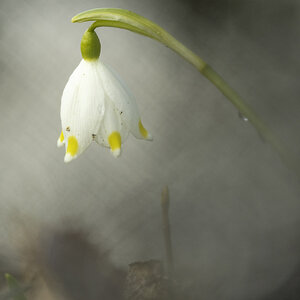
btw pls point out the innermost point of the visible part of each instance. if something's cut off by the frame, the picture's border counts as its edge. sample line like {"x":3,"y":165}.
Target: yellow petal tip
{"x":114,"y":140}
{"x":143,"y":131}
{"x":72,"y":147}
{"x":60,"y":140}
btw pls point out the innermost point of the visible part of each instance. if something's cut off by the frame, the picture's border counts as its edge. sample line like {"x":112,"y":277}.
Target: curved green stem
{"x":125,"y":19}
{"x":120,"y":18}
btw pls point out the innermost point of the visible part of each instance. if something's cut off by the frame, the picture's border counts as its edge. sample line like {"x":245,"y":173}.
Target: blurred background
{"x":234,"y":204}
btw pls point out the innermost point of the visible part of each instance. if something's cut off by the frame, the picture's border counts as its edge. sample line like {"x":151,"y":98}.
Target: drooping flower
{"x":97,"y":106}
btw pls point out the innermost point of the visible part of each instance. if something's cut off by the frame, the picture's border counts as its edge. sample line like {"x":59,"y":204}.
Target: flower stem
{"x":243,"y":108}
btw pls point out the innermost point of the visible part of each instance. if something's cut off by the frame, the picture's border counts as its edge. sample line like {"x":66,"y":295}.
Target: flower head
{"x":97,"y":106}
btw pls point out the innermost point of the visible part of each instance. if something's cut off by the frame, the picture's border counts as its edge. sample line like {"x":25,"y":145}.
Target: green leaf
{"x":16,"y":290}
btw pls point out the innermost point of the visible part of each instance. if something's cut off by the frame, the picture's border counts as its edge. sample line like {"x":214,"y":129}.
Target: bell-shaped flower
{"x":96,"y":106}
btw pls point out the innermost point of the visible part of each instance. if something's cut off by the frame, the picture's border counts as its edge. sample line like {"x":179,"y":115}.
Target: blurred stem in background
{"x":165,"y":204}
{"x":120,"y":18}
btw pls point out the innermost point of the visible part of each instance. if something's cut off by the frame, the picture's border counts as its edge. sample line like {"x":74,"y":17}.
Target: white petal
{"x":122,"y":98}
{"x":69,"y":157}
{"x":82,"y":106}
{"x":112,"y":132}
{"x":116,"y":152}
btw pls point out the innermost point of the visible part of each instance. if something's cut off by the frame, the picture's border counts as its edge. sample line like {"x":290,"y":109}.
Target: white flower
{"x":96,"y":106}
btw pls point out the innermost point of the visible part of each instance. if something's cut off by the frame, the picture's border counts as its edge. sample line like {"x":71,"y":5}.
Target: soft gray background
{"x":235,"y":206}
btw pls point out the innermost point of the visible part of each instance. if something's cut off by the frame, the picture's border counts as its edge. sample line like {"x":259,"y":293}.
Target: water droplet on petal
{"x":245,"y":119}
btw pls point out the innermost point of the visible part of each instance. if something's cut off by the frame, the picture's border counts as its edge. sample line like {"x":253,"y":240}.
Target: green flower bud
{"x":90,"y":45}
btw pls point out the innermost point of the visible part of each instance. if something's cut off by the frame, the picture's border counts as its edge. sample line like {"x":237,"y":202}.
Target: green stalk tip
{"x":90,"y":45}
